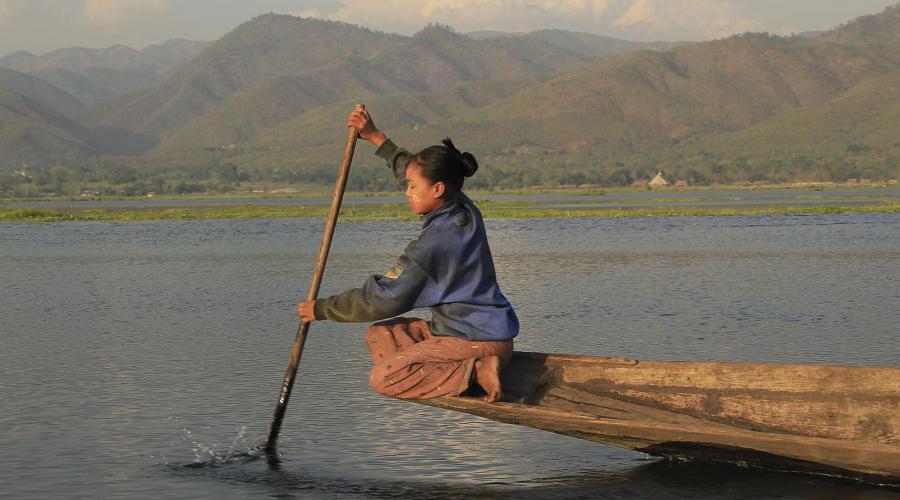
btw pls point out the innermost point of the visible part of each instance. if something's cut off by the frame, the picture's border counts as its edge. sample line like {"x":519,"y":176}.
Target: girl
{"x":449,"y":269}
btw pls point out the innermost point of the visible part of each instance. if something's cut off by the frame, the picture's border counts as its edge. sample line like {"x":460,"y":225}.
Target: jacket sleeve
{"x":380,"y":297}
{"x":397,"y":158}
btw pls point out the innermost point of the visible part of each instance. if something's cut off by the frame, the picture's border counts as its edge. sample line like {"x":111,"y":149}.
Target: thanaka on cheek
{"x":422,"y":195}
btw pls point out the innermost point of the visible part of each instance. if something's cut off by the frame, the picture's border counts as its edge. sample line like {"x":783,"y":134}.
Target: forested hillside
{"x":96,"y":75}
{"x":268,"y":101}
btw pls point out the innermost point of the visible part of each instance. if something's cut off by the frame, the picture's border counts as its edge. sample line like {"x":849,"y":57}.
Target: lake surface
{"x":136,"y":356}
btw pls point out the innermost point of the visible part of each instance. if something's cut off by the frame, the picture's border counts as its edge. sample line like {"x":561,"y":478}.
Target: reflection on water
{"x":654,"y":479}
{"x":132,"y":351}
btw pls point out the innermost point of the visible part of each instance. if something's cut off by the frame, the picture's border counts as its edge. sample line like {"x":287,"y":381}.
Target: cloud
{"x":308,"y":13}
{"x":8,"y":9}
{"x":108,"y":12}
{"x":663,"y":19}
{"x":710,"y":18}
{"x":467,"y":15}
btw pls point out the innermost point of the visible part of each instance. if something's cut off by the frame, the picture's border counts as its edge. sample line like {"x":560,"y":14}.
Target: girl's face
{"x":421,"y":195}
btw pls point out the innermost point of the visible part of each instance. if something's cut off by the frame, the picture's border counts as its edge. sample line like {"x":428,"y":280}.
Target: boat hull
{"x":834,"y":420}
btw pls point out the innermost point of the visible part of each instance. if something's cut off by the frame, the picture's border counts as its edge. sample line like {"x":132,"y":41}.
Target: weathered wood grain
{"x":835,"y":420}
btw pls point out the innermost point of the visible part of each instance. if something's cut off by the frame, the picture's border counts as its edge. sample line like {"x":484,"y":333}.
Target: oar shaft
{"x":313,"y":293}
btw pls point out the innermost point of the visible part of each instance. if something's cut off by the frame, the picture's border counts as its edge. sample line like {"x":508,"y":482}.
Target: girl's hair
{"x":446,"y":164}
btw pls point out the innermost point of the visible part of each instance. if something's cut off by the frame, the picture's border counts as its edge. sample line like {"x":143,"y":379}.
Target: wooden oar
{"x":300,"y":339}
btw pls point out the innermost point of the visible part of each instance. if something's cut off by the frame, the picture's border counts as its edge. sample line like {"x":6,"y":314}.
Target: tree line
{"x":134,"y":177}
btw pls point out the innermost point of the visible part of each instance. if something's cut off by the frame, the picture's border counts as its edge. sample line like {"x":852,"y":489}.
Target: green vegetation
{"x":95,"y":75}
{"x":399,"y":212}
{"x":265,"y":106}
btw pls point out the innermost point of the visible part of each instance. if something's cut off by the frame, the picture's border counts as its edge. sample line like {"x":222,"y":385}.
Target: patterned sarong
{"x":411,"y":363}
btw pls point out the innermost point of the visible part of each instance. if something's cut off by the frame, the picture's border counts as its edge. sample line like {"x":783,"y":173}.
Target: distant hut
{"x":681,"y":184}
{"x":659,"y":181}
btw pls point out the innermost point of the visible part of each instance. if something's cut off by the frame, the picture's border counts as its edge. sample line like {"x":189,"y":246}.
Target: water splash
{"x":240,"y":450}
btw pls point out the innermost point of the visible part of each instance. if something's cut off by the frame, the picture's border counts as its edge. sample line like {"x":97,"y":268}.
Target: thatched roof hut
{"x":659,"y":181}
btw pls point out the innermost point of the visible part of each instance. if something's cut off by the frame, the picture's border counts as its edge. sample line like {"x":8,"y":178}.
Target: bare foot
{"x":487,"y":374}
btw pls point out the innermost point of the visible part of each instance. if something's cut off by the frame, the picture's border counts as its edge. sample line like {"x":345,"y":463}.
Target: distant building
{"x":659,"y":181}
{"x":681,"y":184}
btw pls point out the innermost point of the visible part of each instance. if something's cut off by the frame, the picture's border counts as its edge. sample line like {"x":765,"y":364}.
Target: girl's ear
{"x":439,"y":189}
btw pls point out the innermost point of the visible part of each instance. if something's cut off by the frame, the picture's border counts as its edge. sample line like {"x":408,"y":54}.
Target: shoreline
{"x":322,"y":192}
{"x":399,"y":212}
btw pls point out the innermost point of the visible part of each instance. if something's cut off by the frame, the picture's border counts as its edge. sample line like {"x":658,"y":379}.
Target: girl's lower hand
{"x":305,"y":309}
{"x":362,"y":122}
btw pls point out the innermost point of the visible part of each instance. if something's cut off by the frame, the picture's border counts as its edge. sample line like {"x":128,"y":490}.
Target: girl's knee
{"x":378,"y":380}
{"x":384,"y":391}
{"x":376,"y":332}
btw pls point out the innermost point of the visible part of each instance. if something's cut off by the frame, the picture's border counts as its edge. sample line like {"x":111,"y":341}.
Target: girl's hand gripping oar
{"x":300,"y":339}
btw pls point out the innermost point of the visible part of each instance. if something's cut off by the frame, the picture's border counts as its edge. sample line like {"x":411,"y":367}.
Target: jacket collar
{"x":444,"y":209}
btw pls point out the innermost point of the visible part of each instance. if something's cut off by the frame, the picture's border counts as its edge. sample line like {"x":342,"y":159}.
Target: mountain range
{"x":584,"y":44}
{"x":96,"y":75}
{"x":271,"y":97}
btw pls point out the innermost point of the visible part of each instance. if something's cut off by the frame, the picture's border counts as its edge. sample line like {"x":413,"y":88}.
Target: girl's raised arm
{"x":396,"y":157}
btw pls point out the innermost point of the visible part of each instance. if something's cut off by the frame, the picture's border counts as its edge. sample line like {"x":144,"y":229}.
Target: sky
{"x":40,"y":26}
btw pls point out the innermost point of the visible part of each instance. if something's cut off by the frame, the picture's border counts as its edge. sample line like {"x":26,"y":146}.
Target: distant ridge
{"x":38,"y":90}
{"x":94,"y":75}
{"x":40,"y":123}
{"x":623,"y":118}
{"x":269,"y":100}
{"x":584,"y":44}
{"x":312,"y":62}
{"x":874,"y":29}
{"x":31,"y":132}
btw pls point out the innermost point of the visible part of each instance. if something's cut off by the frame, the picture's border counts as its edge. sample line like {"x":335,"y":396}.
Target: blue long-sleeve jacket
{"x":448,"y":269}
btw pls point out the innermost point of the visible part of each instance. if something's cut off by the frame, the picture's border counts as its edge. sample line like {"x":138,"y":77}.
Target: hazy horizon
{"x":141,"y":23}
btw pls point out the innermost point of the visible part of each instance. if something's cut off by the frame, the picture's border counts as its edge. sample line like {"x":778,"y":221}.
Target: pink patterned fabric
{"x":411,"y":363}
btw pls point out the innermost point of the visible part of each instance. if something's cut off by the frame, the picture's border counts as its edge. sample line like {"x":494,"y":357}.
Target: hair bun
{"x":467,"y":161}
{"x":470,"y":165}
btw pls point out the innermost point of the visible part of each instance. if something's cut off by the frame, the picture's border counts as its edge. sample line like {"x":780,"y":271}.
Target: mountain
{"x":855,"y":130}
{"x":647,"y":98}
{"x":32,"y":132}
{"x":584,"y":44}
{"x":270,"y":99}
{"x":488,"y":34}
{"x":266,"y":47}
{"x":40,"y":123}
{"x":882,"y":29}
{"x":95,"y":75}
{"x":38,"y":90}
{"x":175,"y":52}
{"x":635,"y":111}
{"x":37,"y":122}
{"x":275,"y":67}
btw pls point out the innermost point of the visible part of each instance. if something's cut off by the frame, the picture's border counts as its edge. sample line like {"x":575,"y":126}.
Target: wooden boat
{"x":833,"y":420}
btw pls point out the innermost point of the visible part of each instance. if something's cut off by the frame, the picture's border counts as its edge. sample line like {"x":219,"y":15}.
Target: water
{"x":139,"y":357}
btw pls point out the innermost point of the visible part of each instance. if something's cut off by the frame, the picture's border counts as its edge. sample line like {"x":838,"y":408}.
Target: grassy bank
{"x":308,"y":191}
{"x":397,"y":211}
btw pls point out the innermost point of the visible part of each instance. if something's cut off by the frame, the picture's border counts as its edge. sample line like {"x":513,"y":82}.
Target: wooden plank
{"x":834,"y":420}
